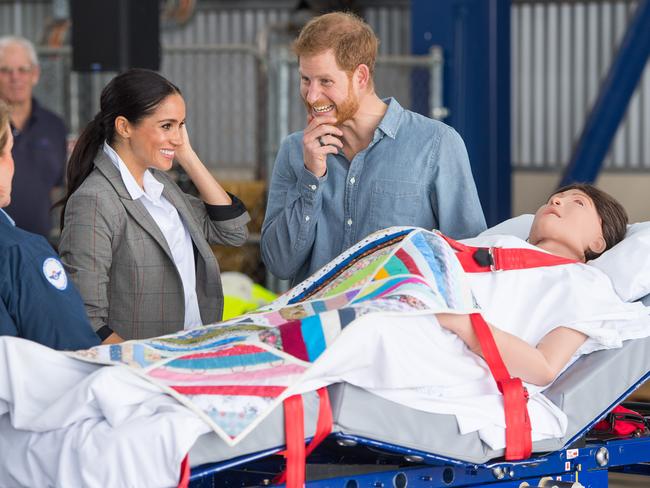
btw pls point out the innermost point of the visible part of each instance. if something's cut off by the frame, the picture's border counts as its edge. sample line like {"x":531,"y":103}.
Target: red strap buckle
{"x":483,"y":256}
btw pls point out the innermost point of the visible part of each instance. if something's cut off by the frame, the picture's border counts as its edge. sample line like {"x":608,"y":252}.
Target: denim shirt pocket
{"x":395,"y":202}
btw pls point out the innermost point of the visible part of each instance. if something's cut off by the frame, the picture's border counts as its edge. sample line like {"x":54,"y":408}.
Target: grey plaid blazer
{"x":119,"y":259}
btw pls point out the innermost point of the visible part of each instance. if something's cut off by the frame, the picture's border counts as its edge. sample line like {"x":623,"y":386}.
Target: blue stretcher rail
{"x":587,"y":465}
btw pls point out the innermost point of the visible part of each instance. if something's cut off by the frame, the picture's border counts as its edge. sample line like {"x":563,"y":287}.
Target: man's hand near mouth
{"x":320,"y":138}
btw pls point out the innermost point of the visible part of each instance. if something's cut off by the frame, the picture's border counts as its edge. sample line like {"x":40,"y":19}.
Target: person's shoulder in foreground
{"x":39,"y":302}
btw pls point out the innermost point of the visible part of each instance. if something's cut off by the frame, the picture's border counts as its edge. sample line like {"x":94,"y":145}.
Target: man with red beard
{"x":362,"y":163}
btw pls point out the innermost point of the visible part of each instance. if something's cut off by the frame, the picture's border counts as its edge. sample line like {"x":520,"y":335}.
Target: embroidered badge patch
{"x":55,"y":274}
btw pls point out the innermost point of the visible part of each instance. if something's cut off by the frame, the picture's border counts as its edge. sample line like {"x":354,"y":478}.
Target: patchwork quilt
{"x":232,"y":374}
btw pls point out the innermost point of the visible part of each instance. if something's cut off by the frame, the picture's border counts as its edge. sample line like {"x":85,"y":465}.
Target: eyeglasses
{"x":20,"y":70}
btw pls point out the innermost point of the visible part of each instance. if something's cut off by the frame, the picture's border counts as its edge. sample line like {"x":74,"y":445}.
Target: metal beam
{"x":475,"y":38}
{"x":614,"y":97}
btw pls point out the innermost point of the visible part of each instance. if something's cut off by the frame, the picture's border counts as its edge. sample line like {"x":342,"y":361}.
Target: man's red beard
{"x":348,"y":108}
{"x":345,"y":111}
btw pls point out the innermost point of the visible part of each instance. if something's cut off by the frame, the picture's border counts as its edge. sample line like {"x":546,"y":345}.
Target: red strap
{"x":184,"y":480}
{"x":502,"y":259}
{"x":325,"y":420}
{"x":323,"y":429}
{"x":489,"y":348}
{"x":515,"y":396}
{"x":294,"y":431}
{"x":518,"y":428}
{"x":519,"y":443}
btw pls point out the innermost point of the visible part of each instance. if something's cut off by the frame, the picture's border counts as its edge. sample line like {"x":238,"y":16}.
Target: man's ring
{"x":320,"y":141}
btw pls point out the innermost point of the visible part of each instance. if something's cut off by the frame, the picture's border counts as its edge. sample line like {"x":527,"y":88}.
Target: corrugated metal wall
{"x":227,"y":91}
{"x":561,"y":51}
{"x":25,"y":17}
{"x":214,"y":59}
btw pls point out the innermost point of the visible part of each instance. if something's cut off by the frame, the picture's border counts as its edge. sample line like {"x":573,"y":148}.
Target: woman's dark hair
{"x":133,"y":94}
{"x":612,"y":215}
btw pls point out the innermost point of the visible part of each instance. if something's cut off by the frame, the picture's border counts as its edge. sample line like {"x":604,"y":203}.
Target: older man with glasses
{"x":40,"y":147}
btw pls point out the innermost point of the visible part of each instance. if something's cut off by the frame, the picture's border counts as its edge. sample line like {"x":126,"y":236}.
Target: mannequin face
{"x":569,"y":219}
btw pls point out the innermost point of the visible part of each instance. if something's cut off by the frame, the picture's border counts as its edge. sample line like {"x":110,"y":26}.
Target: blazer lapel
{"x":172,"y":194}
{"x":134,"y":208}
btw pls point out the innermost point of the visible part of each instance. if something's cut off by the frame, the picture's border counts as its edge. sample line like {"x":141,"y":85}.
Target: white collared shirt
{"x":172,"y":227}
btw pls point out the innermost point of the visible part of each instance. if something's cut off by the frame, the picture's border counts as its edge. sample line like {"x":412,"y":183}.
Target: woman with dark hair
{"x":137,"y":247}
{"x":37,"y":302}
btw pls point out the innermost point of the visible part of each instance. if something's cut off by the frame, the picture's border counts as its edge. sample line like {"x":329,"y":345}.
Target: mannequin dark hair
{"x":134,"y":95}
{"x":612,"y":215}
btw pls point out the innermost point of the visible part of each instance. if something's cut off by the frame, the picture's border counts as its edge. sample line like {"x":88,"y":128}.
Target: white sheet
{"x":68,"y":423}
{"x":64,"y":422}
{"x":432,"y":370}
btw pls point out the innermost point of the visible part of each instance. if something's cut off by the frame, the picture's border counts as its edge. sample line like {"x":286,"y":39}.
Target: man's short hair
{"x":6,"y":41}
{"x":352,"y":40}
{"x":613,"y":216}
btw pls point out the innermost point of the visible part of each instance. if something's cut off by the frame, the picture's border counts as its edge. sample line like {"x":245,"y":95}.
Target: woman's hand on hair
{"x":184,"y":152}
{"x":210,"y":190}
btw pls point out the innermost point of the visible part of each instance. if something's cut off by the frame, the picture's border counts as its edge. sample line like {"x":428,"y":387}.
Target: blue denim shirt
{"x":414,"y":172}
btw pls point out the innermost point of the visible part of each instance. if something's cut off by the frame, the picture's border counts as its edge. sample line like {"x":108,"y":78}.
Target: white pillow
{"x":516,"y":226}
{"x":627,"y":264}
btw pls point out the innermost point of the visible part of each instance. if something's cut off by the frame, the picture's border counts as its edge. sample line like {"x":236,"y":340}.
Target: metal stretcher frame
{"x":570,"y":459}
{"x":588,"y":465}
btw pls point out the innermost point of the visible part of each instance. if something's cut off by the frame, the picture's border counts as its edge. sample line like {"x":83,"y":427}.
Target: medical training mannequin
{"x":578,"y":222}
{"x":37,"y":301}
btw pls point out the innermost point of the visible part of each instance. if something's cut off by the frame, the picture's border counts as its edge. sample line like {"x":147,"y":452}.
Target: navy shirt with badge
{"x":37,"y":300}
{"x":40,"y":152}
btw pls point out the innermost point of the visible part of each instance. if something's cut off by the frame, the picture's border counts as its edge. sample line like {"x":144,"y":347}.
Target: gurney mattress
{"x":585,"y":392}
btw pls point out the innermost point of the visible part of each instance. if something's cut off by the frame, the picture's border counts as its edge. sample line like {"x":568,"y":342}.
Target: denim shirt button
{"x":349,"y":221}
{"x":352,"y":180}
{"x":313,"y":187}
{"x":306,"y":218}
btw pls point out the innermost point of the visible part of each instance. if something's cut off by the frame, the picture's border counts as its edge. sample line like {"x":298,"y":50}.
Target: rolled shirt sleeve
{"x":292,"y":213}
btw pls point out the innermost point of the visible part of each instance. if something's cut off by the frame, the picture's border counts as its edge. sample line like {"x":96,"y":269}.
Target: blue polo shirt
{"x":40,"y":154}
{"x":37,"y":299}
